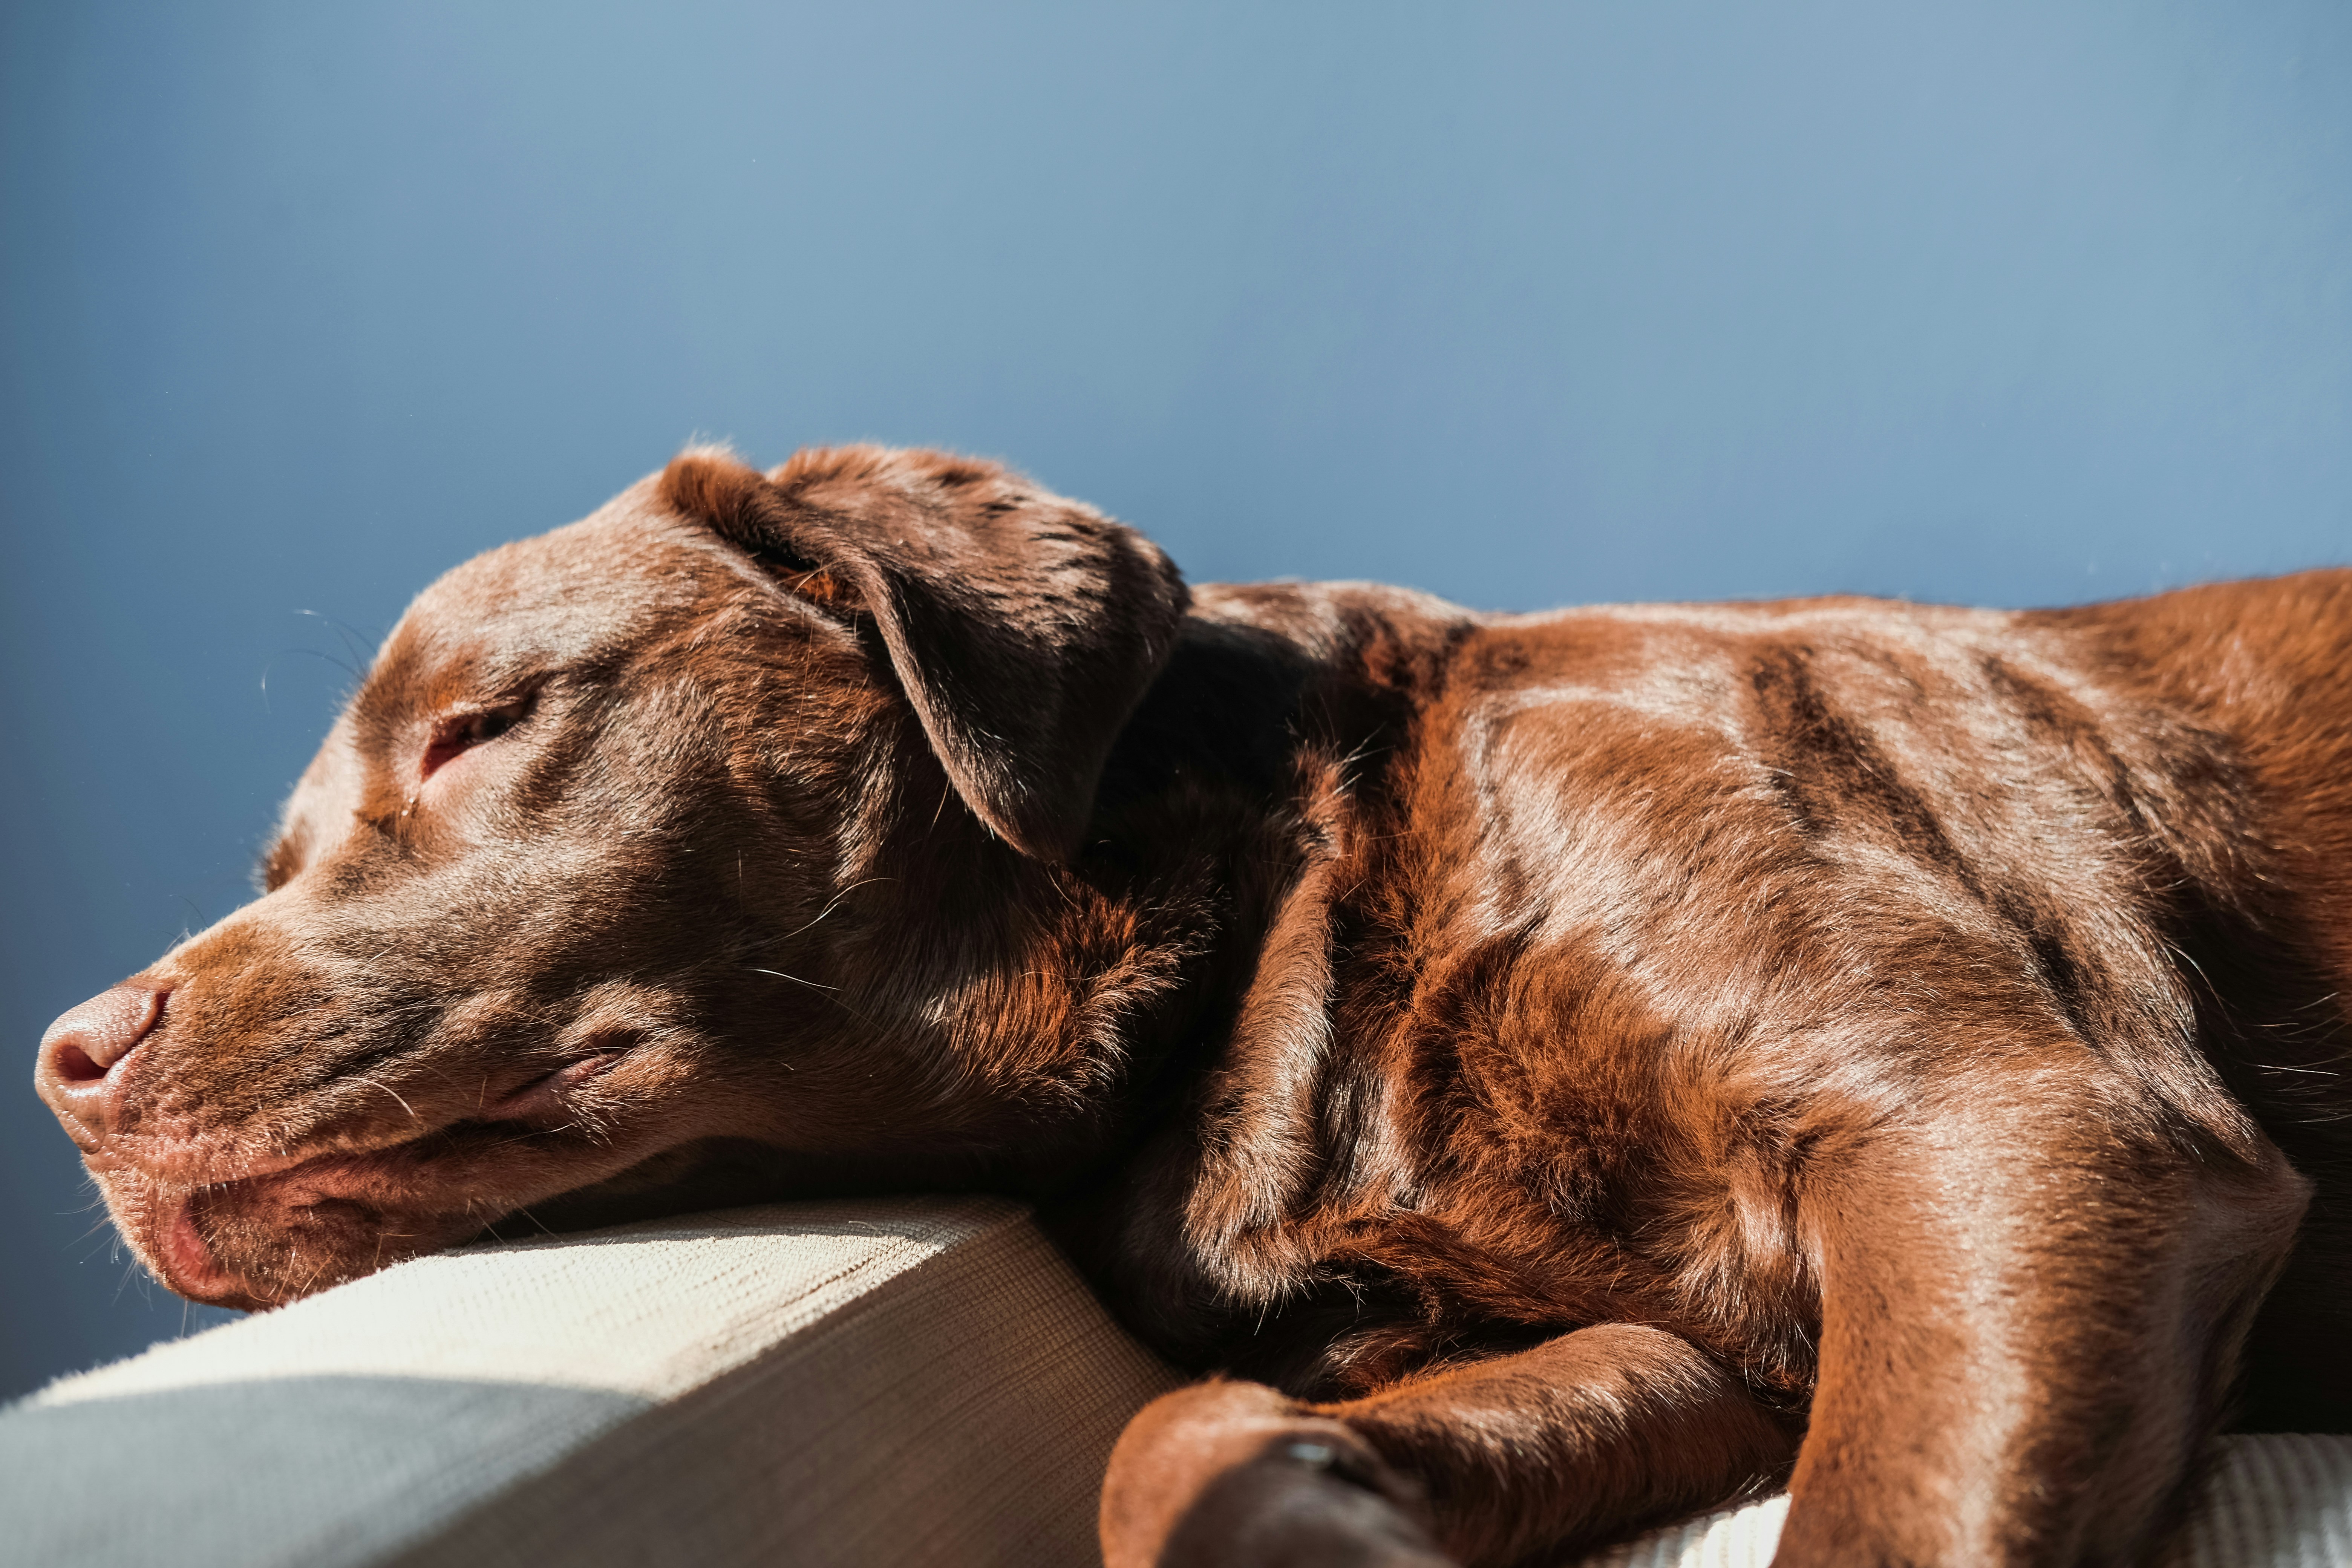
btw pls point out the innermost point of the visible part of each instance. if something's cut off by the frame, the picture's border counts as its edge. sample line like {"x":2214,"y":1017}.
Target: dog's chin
{"x":269,"y":1240}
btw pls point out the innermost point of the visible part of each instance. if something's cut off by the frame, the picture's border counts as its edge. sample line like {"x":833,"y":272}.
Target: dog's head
{"x":661,"y":831}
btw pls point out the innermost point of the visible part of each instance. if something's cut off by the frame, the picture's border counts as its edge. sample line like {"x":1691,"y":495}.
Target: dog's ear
{"x":1022,"y":627}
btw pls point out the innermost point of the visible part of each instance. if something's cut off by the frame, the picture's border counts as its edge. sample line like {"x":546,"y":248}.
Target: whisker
{"x":371,"y":1083}
{"x":795,"y":979}
{"x":353,"y":642}
{"x":835,"y":903}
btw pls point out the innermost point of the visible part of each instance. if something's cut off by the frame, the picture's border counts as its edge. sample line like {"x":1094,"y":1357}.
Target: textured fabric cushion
{"x":908,"y":1381}
{"x":2266,"y":1502}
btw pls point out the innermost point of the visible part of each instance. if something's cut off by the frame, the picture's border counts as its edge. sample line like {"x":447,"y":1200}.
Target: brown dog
{"x":1581,"y":1068}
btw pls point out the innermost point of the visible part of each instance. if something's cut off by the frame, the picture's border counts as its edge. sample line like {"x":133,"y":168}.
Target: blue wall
{"x":2007,"y":302}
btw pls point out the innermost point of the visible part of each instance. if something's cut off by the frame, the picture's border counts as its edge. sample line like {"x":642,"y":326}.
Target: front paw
{"x":1226,"y":1475}
{"x":1293,"y":1505}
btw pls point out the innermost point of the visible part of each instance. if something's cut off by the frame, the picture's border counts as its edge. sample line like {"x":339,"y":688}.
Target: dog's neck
{"x":1240,"y":790}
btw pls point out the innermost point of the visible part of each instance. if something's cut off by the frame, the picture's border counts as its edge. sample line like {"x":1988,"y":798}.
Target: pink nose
{"x":76,"y":1072}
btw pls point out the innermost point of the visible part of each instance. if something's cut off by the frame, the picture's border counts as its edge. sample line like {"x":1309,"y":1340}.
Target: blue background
{"x":2005,"y":302}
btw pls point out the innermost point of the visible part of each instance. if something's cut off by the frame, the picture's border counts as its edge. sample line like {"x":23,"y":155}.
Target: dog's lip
{"x":181,"y":1164}
{"x":194,"y":1173}
{"x":175,"y":1242}
{"x":187,"y":1261}
{"x":184,"y":1257}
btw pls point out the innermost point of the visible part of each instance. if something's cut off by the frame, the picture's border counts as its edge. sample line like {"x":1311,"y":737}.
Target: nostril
{"x":85,"y":1042}
{"x":71,"y":1064}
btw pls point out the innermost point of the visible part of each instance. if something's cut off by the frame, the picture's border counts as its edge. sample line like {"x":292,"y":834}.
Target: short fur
{"x":1560,"y":1070}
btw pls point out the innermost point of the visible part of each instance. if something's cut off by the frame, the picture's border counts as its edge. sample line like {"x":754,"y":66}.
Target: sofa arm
{"x":904,"y":1381}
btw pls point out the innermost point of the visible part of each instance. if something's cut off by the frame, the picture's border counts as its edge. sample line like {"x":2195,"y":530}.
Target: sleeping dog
{"x":1558,"y":1071}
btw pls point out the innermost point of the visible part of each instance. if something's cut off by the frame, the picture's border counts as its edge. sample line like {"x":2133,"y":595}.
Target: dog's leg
{"x":1577,"y":1439}
{"x":2031,"y":1323}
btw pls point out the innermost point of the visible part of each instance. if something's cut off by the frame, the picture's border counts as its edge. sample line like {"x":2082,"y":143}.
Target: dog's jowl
{"x":1560,"y":1070}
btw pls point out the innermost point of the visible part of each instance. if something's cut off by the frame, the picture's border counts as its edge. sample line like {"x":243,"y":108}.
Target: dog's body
{"x":1612,"y":1059}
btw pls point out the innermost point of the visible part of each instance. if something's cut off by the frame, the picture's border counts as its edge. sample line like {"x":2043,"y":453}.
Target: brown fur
{"x":1561,"y":1069}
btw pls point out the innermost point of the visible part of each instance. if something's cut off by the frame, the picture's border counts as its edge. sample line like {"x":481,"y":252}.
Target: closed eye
{"x":454,"y":734}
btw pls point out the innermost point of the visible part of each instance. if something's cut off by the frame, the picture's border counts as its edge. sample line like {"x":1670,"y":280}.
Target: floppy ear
{"x":1022,"y":627}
